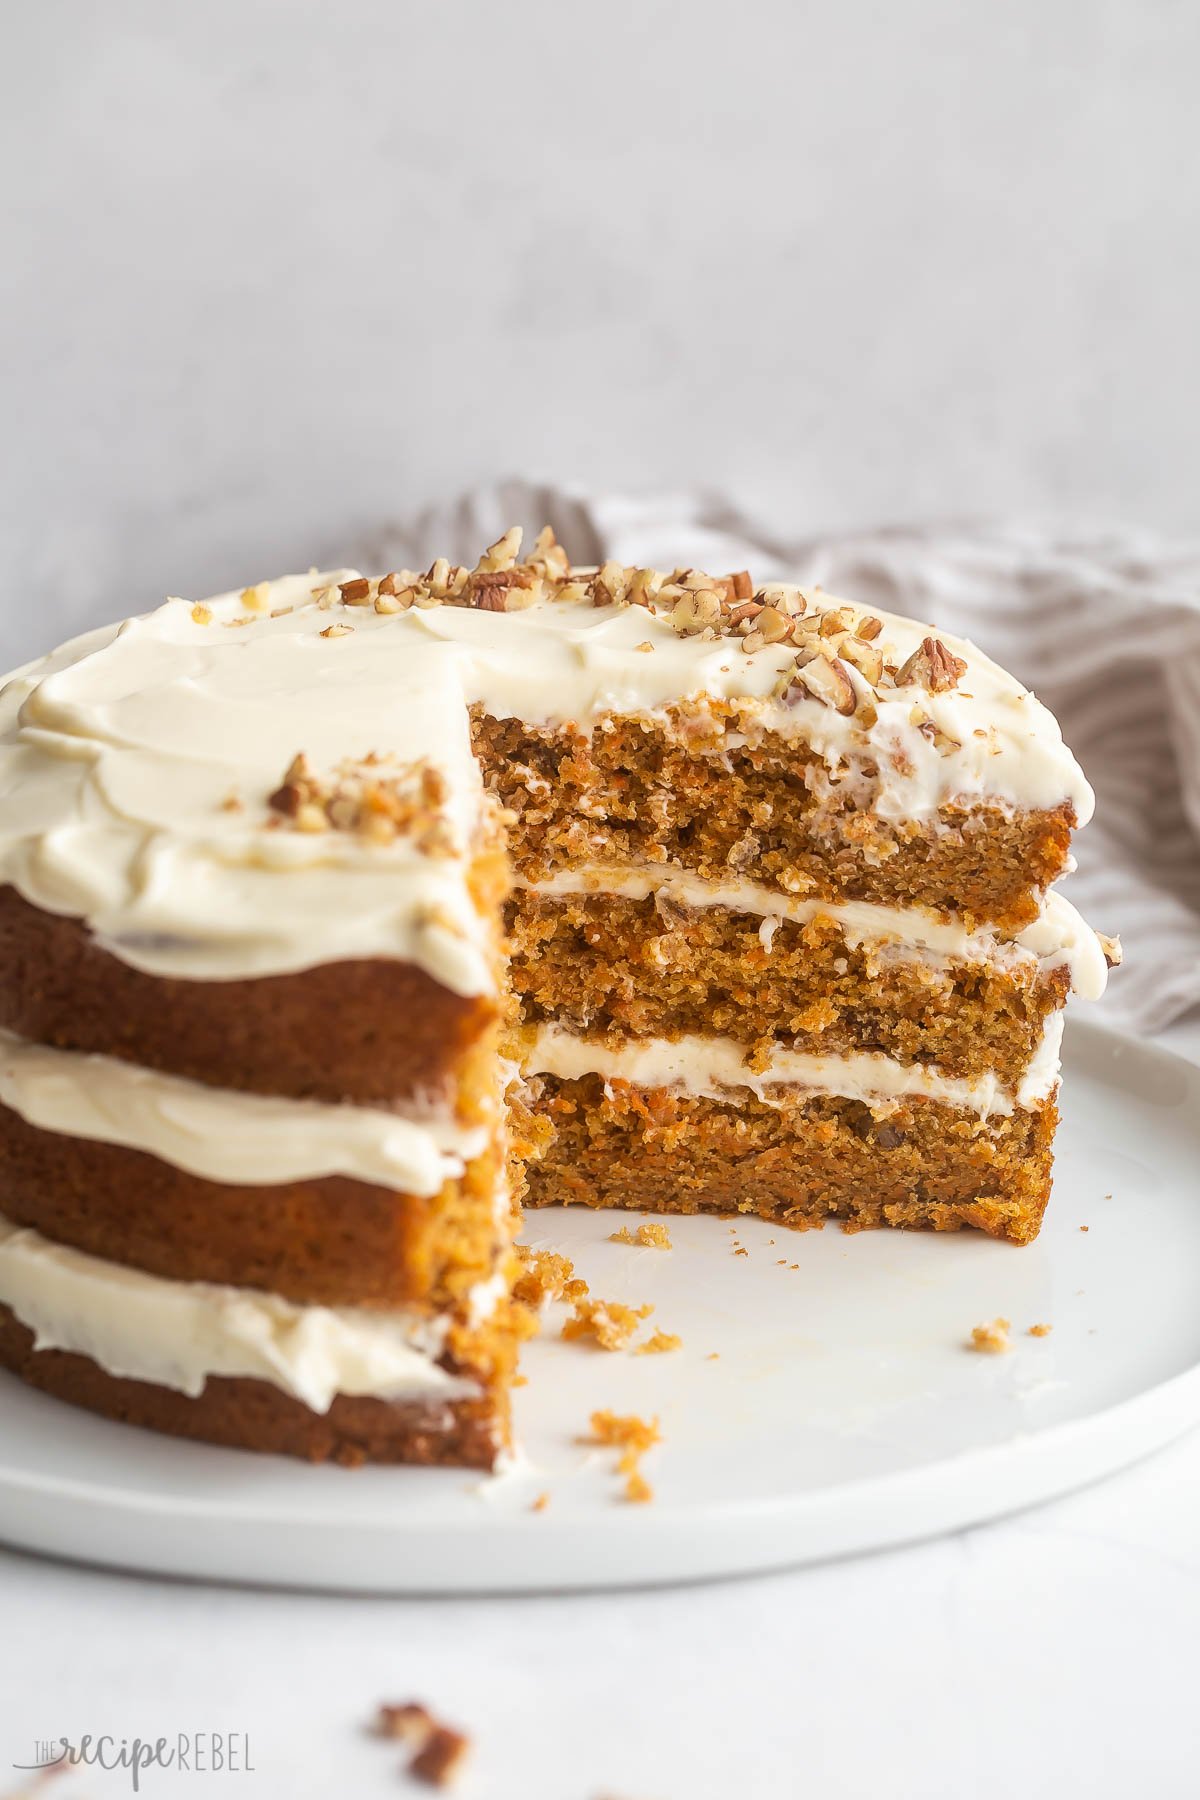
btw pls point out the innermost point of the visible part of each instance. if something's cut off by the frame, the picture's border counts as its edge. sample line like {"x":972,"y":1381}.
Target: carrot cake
{"x":336,"y":911}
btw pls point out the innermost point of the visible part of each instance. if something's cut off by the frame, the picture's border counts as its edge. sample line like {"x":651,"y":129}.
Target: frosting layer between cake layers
{"x":224,"y":1135}
{"x":176,"y":1334}
{"x":1058,"y":938}
{"x":716,"y":1067}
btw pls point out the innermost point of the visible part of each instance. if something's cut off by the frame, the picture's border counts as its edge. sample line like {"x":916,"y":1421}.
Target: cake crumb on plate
{"x":992,"y":1339}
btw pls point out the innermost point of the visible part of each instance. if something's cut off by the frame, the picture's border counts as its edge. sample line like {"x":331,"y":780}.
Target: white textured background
{"x":272,"y":272}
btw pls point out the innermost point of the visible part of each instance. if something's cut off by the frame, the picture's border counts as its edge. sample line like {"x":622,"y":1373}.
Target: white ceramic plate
{"x":842,"y":1412}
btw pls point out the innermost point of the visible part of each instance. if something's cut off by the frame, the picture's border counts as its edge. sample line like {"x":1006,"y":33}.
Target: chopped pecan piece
{"x":440,"y":1758}
{"x":825,"y":678}
{"x":931,"y":666}
{"x":866,"y":657}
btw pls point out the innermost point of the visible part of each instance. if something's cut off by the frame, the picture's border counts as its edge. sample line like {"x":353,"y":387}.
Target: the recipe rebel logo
{"x":193,"y":1753}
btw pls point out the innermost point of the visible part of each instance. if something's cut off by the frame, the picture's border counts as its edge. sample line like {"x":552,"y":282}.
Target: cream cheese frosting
{"x":230,"y":1136}
{"x":136,"y":761}
{"x":712,"y":1065}
{"x":136,"y":765}
{"x":177,"y":1334}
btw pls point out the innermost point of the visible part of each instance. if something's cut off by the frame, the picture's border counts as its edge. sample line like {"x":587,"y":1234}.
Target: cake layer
{"x":370,"y":1032}
{"x":250,"y":1414}
{"x":695,"y":798}
{"x":796,"y":1161}
{"x":1059,"y":938}
{"x":328,"y":1240}
{"x":600,"y":964}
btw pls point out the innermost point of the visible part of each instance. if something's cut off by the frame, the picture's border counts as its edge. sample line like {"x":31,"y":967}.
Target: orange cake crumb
{"x":1040,"y":1330}
{"x":544,"y":1276}
{"x":991,"y":1339}
{"x":607,"y":1322}
{"x":652,"y":1235}
{"x":540,"y":1504}
{"x":623,"y":1431}
{"x":632,"y":1437}
{"x":661,"y":1340}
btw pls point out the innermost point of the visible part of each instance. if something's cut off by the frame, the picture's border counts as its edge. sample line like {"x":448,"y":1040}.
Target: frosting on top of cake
{"x":137,"y":765}
{"x":558,"y":662}
{"x":142,"y":766}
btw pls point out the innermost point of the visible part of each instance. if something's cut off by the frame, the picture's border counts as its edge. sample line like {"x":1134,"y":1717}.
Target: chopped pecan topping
{"x":825,"y":679}
{"x":931,"y":666}
{"x":375,"y":801}
{"x":865,"y":656}
{"x":696,"y":610}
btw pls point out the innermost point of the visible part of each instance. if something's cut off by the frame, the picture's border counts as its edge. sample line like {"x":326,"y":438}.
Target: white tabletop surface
{"x":1051,"y":1654}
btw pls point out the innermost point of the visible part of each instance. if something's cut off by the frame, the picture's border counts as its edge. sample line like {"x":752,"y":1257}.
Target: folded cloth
{"x":1104,"y":626}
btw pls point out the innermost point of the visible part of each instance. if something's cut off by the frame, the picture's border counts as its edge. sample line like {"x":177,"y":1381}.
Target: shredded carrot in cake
{"x":650,"y":1234}
{"x":991,"y":1339}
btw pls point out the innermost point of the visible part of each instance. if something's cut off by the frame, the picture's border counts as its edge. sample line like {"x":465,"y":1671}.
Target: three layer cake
{"x":334,"y":910}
